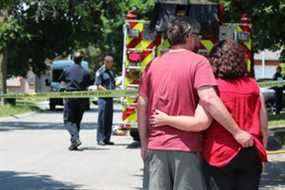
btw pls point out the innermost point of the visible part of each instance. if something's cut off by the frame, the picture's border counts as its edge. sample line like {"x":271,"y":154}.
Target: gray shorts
{"x":173,"y":170}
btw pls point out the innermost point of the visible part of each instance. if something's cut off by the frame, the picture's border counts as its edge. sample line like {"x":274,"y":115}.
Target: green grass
{"x":277,"y":120}
{"x":19,"y":108}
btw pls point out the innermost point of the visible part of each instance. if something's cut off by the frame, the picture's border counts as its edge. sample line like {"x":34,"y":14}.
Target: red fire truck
{"x":144,"y":40}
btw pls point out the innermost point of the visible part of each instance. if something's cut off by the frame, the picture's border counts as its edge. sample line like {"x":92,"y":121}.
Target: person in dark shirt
{"x":278,"y":90}
{"x":105,"y":80}
{"x":278,"y":75}
{"x":75,"y":78}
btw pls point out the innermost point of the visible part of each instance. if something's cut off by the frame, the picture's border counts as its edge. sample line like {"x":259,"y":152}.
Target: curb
{"x":16,"y":116}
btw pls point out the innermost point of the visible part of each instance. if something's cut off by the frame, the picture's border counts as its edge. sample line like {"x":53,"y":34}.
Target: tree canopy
{"x":38,"y":29}
{"x":267,"y":18}
{"x":35,"y":30}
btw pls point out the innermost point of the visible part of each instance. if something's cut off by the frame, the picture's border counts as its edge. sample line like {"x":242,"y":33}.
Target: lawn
{"x":277,"y":120}
{"x":20,"y":108}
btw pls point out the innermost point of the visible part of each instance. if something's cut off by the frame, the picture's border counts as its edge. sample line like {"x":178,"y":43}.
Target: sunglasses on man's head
{"x":189,"y":32}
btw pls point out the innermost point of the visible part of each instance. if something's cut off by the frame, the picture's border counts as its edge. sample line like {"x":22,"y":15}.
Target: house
{"x":265,"y":63}
{"x":21,"y":85}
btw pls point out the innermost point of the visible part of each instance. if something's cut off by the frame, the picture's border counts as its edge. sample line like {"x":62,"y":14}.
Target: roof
{"x":268,"y":55}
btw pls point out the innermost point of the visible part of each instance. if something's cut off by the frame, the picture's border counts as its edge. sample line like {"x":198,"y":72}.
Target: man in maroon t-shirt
{"x":175,"y":83}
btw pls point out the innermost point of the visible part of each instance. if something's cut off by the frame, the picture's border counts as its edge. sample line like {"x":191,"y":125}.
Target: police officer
{"x":105,"y":80}
{"x":75,"y":78}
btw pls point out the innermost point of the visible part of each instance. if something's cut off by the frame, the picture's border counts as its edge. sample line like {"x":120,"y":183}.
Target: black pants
{"x":74,"y":109}
{"x":242,"y":173}
{"x":72,"y":116}
{"x":278,"y":99}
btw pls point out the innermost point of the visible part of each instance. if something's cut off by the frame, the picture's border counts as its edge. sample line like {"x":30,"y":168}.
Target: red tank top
{"x":241,"y":97}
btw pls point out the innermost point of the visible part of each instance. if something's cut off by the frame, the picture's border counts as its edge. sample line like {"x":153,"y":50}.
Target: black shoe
{"x":72,"y":148}
{"x":109,"y":143}
{"x":101,"y":143}
{"x":74,"y":145}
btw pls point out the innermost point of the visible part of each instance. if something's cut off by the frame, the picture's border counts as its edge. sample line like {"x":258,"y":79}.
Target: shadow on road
{"x":92,"y":148}
{"x":20,"y":125}
{"x":134,"y":145}
{"x":60,"y":110}
{"x":273,"y":176}
{"x":10,"y":180}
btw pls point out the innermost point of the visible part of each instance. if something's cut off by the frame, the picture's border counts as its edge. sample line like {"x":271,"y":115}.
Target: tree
{"x":57,"y":27}
{"x":4,"y":27}
{"x":267,"y":17}
{"x":37,"y":29}
{"x":2,"y":55}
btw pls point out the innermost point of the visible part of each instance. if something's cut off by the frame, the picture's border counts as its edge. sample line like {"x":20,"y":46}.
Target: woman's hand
{"x":159,"y":119}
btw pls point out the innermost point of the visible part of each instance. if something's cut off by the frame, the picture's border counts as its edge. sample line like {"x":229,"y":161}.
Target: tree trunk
{"x":3,"y":60}
{"x":3,"y":71}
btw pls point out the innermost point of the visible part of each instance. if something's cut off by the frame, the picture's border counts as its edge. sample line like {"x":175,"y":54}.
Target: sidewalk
{"x":274,"y":175}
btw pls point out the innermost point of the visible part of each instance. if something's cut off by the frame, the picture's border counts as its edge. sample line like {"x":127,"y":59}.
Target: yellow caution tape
{"x":75,"y":94}
{"x":270,"y":84}
{"x":102,"y":94}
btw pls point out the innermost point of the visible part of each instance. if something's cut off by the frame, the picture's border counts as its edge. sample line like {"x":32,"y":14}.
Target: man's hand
{"x":213,"y":104}
{"x":244,"y":139}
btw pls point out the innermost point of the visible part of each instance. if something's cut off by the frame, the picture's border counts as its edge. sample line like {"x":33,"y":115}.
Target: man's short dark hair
{"x":179,"y":29}
{"x":108,"y":54}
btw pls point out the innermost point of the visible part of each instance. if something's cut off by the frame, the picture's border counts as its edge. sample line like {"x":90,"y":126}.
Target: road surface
{"x":34,"y":156}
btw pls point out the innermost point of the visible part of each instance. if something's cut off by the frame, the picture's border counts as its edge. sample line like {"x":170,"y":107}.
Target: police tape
{"x":74,"y":94}
{"x":271,"y":84}
{"x":103,"y":94}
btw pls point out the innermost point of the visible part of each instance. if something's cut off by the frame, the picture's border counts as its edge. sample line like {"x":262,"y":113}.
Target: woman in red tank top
{"x":229,"y":166}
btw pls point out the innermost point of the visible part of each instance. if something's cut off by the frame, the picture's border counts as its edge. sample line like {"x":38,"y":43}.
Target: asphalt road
{"x":34,"y":156}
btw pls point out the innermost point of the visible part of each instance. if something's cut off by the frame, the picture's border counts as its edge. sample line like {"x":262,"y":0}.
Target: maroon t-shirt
{"x":170,"y":84}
